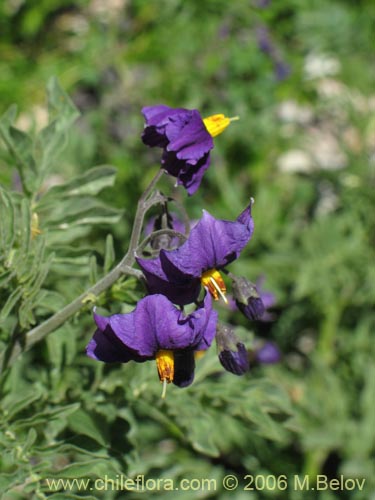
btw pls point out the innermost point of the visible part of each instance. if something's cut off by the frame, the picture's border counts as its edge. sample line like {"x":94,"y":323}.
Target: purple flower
{"x":262,"y":4}
{"x":264,"y":40}
{"x":282,"y":69}
{"x":232,"y":353}
{"x":268,"y":353}
{"x":186,"y":139}
{"x":266,"y":45}
{"x":156,"y":329}
{"x":211,"y":245}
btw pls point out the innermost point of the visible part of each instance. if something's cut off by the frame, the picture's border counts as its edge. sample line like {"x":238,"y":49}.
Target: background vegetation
{"x":299,"y":75}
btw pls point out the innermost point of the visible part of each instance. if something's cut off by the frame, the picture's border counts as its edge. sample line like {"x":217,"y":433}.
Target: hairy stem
{"x":124,"y":267}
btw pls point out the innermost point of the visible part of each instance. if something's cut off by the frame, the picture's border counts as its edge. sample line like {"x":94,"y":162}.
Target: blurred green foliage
{"x":304,"y":149}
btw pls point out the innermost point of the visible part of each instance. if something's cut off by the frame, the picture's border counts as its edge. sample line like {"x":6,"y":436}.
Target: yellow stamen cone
{"x":216,"y":124}
{"x":214,"y":282}
{"x":165,"y":365}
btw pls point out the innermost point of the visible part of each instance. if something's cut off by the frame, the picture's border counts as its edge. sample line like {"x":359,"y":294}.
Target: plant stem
{"x":124,"y":267}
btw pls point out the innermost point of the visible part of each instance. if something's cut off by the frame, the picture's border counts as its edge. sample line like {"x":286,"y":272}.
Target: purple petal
{"x":268,"y":298}
{"x":185,"y":140}
{"x":188,"y":175}
{"x":106,"y":347}
{"x":213,"y":243}
{"x":209,"y":331}
{"x":156,"y":114}
{"x":154,"y":324}
{"x":188,"y":136}
{"x":184,"y":366}
{"x":157,"y":118}
{"x":162,"y":277}
{"x":160,"y":114}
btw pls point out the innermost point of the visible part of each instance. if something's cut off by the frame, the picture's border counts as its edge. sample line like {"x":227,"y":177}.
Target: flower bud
{"x":232,"y":353}
{"x":158,"y":231}
{"x":247,"y":298}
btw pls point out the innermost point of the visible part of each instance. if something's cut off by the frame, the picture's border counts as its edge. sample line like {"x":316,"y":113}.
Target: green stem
{"x":328,"y":333}
{"x":124,"y":267}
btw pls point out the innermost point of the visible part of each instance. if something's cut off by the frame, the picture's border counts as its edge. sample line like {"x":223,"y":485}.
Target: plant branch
{"x":124,"y":267}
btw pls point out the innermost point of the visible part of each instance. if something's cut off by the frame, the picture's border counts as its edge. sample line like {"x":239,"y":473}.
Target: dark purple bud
{"x":165,"y":239}
{"x":247,"y":298}
{"x":232,"y":353}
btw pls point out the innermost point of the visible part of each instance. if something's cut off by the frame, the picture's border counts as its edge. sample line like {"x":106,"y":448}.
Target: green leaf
{"x":50,"y":301}
{"x":20,"y":146}
{"x":41,"y":276}
{"x":82,"y":211}
{"x":12,"y":300}
{"x":200,"y":435}
{"x":33,"y":269}
{"x":82,"y":423}
{"x":48,"y":414}
{"x":86,"y":469}
{"x":109,"y":256}
{"x":7,"y":225}
{"x":89,"y":183}
{"x":30,"y":439}
{"x":60,"y":107}
{"x":15,"y":402}
{"x":25,"y":226}
{"x":5,"y":277}
{"x":61,"y":346}
{"x":62,"y":496}
{"x":7,"y":119}
{"x":49,"y":143}
{"x":93,"y":270}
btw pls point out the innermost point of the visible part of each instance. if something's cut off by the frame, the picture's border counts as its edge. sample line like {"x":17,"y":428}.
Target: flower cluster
{"x":186,"y":269}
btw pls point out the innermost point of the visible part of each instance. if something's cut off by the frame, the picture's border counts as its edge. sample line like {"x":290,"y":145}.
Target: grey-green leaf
{"x":60,"y":106}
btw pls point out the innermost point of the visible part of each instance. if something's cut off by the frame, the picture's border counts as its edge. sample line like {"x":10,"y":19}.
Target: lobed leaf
{"x":89,"y":183}
{"x":60,"y":107}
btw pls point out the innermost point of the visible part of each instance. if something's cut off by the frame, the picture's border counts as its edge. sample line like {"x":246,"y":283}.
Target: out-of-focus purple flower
{"x":266,"y":45}
{"x":262,"y":4}
{"x":268,"y":299}
{"x":282,"y":69}
{"x":211,"y":245}
{"x":186,"y":139}
{"x":156,"y":329}
{"x":264,"y":40}
{"x":268,"y":353}
{"x":232,"y":353}
{"x":247,"y":298}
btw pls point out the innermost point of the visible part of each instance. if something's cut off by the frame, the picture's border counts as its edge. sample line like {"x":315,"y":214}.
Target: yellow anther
{"x":165,"y":365}
{"x":214,"y":282}
{"x":216,"y":124}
